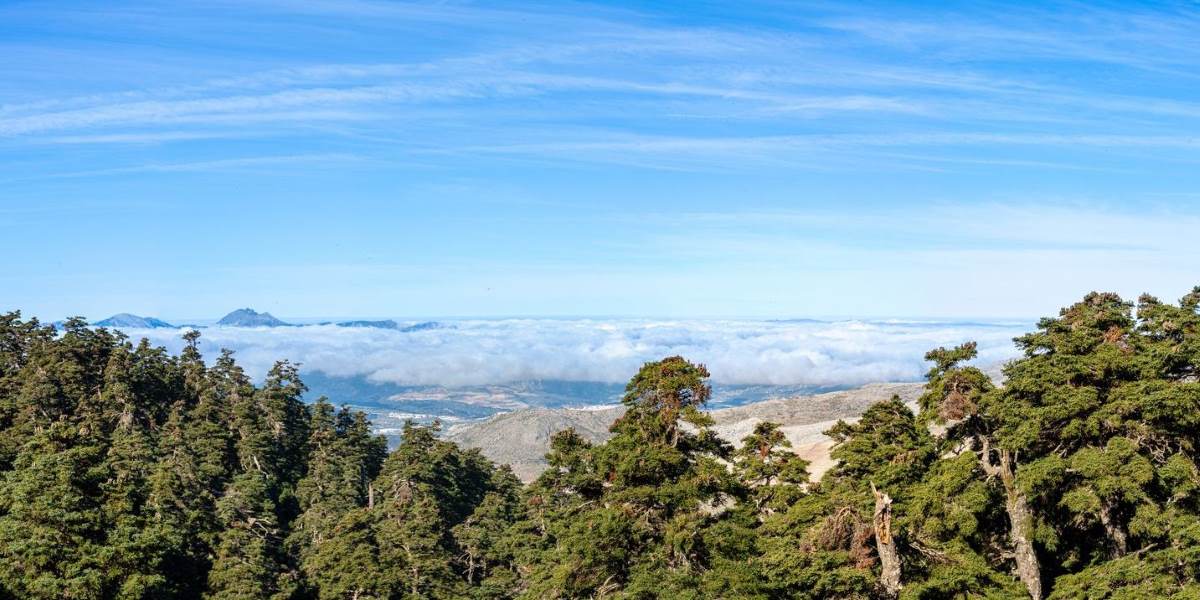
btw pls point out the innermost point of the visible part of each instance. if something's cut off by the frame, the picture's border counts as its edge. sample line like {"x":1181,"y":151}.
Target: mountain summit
{"x":246,"y":317}
{"x":128,"y":321}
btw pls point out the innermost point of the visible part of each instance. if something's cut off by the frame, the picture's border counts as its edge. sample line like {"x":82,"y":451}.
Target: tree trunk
{"x":1020,"y":519}
{"x":889,"y":557}
{"x":414,"y":569}
{"x":1116,"y":533}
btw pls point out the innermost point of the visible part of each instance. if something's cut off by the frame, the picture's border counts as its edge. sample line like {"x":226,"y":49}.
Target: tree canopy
{"x":127,"y":472}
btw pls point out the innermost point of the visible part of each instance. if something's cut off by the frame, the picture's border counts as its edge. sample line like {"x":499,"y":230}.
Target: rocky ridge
{"x":521,"y":438}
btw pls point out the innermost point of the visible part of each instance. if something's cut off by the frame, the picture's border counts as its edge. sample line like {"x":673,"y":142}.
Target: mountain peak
{"x":130,"y":321}
{"x":248,"y":317}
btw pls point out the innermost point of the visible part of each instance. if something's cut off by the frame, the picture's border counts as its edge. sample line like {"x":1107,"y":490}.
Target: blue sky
{"x":370,"y":158}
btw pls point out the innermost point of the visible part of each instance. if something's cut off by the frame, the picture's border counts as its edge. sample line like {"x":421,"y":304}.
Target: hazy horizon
{"x":211,"y":319}
{"x":469,"y":352}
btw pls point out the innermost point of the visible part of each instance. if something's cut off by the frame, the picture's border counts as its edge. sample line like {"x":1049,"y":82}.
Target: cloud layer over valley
{"x":486,"y":352}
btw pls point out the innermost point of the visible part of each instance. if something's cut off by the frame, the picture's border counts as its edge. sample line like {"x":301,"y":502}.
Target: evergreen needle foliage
{"x":126,"y":472}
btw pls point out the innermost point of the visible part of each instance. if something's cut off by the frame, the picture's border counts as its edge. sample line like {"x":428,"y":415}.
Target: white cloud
{"x":479,"y":352}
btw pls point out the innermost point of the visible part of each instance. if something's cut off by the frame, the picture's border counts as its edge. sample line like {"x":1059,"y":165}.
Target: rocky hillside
{"x":521,"y":438}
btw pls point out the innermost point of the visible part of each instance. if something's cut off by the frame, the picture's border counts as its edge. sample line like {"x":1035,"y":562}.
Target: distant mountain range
{"x":248,"y":317}
{"x":126,"y":320}
{"x":388,"y":324}
{"x":425,"y":326}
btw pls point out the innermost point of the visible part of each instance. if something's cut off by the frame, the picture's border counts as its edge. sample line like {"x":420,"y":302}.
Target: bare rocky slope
{"x":521,"y":438}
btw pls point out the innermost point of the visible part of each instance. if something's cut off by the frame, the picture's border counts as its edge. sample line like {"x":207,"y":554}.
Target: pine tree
{"x":51,"y":523}
{"x":414,"y":497}
{"x":774,"y":473}
{"x":196,"y":461}
{"x":134,"y":550}
{"x":20,"y":341}
{"x":630,"y":515}
{"x":343,"y":457}
{"x":286,"y":418}
{"x":955,"y":535}
{"x":249,"y":560}
{"x":346,"y":563}
{"x":181,"y":509}
{"x":486,"y":552}
{"x":51,"y":517}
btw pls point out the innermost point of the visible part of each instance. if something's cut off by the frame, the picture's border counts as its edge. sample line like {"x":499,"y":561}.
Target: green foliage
{"x":886,"y":447}
{"x":954,"y":390}
{"x":630,"y":517}
{"x":774,"y":474}
{"x":51,"y":523}
{"x":249,"y":561}
{"x":129,"y":473}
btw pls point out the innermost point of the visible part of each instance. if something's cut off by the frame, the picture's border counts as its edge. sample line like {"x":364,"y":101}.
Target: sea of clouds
{"x":483,"y":352}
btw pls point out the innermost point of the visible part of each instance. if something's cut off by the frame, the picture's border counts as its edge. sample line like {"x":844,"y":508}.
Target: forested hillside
{"x":126,"y":472}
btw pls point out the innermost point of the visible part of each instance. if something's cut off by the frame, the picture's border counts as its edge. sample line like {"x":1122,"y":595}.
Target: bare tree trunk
{"x":414,"y":569}
{"x":1028,"y":568}
{"x":1115,"y":531}
{"x":889,"y":557}
{"x":1020,"y":519}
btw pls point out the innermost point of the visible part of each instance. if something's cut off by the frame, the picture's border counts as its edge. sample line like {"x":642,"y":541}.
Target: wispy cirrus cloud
{"x":533,"y":158}
{"x":151,"y":137}
{"x":756,"y":72}
{"x":1151,"y":38}
{"x":837,"y":151}
{"x":327,"y":161}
